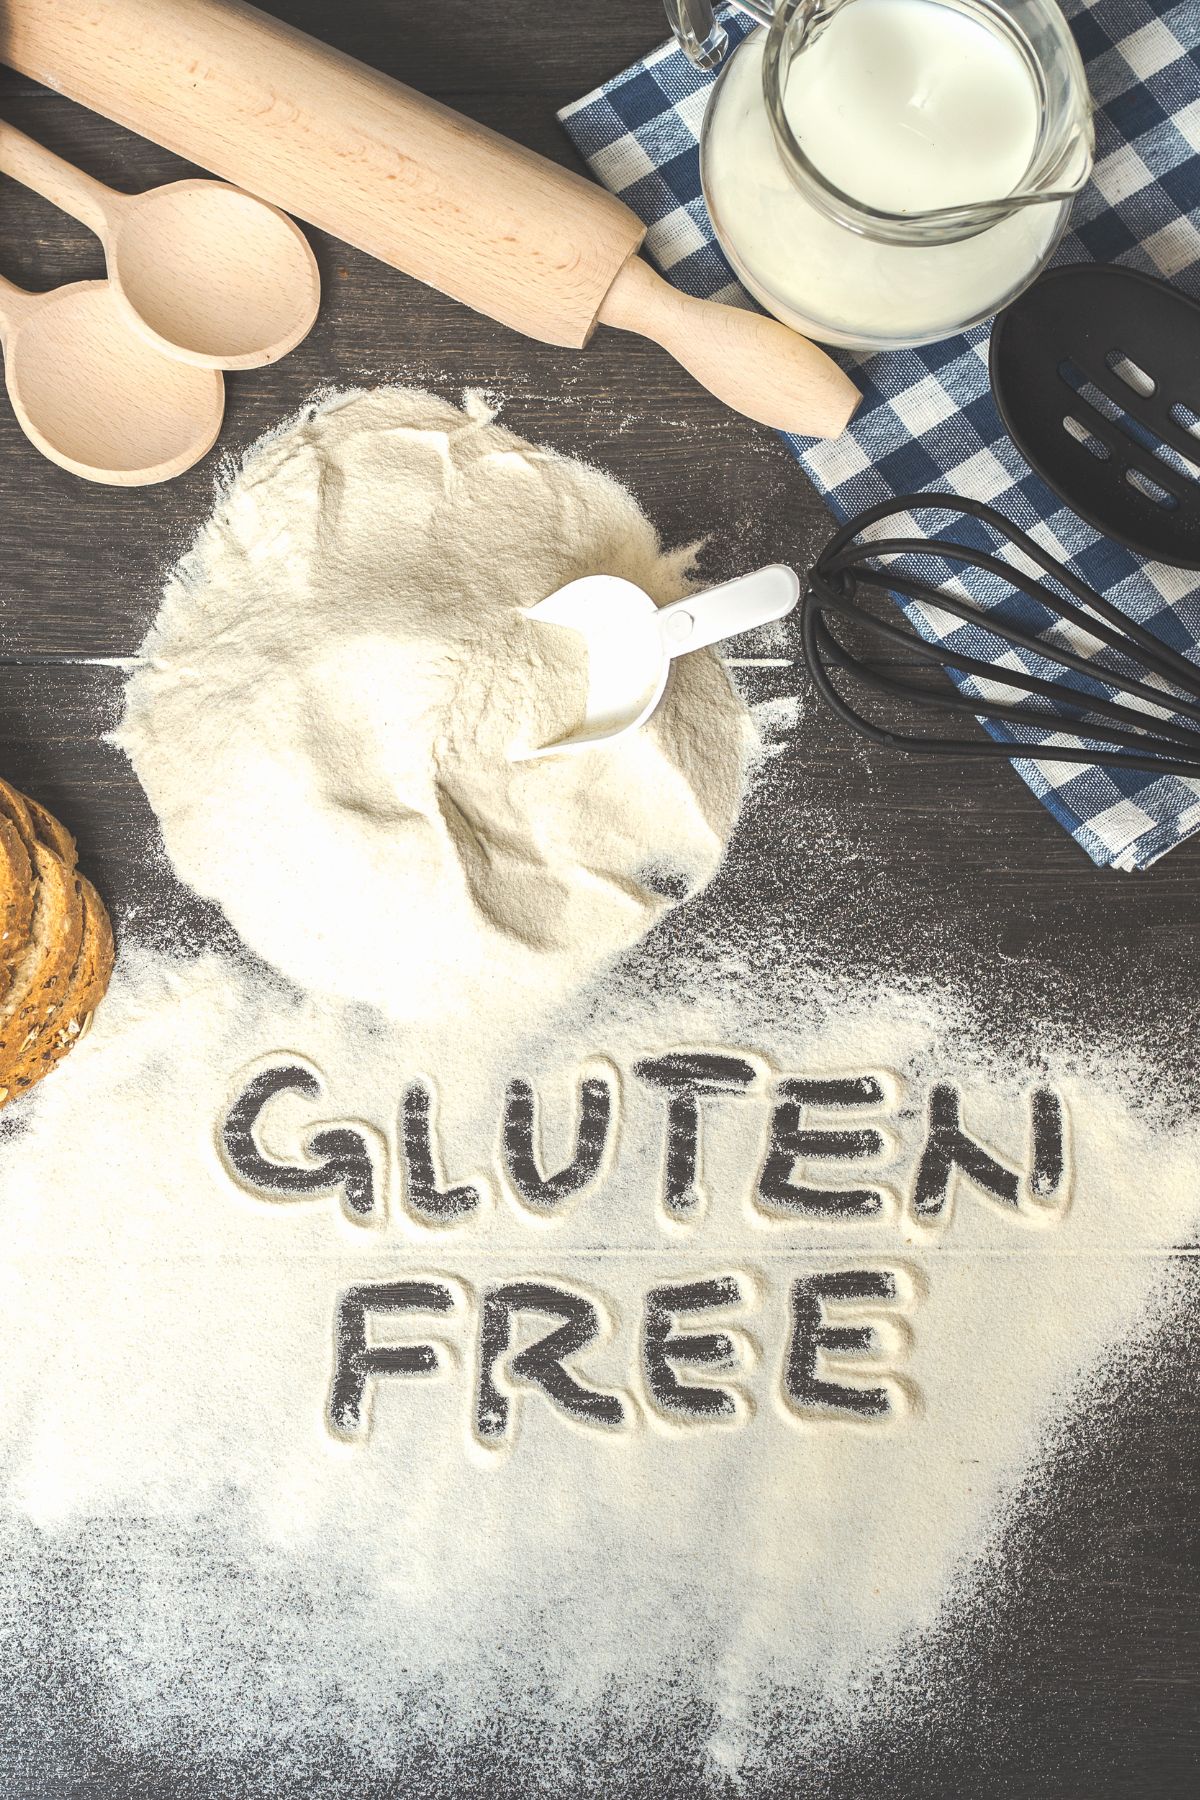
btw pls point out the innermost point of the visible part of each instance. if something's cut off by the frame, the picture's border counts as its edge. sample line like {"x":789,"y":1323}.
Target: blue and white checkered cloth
{"x":928,"y":419}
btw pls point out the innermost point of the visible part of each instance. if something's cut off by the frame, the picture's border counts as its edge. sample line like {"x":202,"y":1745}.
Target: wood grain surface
{"x":1085,"y":1682}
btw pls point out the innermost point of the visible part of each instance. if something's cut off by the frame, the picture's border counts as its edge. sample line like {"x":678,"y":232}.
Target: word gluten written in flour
{"x":824,"y":1139}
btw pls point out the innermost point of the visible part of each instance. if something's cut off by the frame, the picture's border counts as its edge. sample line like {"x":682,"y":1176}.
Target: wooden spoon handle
{"x":56,"y":180}
{"x":752,"y":363}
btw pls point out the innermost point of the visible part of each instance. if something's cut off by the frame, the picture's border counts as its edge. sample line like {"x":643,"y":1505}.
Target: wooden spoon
{"x":94,"y":395}
{"x":207,"y":272}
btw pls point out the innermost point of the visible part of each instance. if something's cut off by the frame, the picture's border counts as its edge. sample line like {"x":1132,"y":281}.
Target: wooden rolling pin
{"x":405,"y":179}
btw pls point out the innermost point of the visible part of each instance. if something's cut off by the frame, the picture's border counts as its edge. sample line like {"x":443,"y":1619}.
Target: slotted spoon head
{"x":1096,"y":374}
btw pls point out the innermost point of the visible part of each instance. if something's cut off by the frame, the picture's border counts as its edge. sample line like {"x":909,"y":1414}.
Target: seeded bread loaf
{"x":64,"y":1020}
{"x":57,"y":954}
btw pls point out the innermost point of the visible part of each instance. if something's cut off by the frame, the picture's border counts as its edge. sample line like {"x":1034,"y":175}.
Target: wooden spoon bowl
{"x":212,"y":274}
{"x":206,"y":272}
{"x":95,"y":396}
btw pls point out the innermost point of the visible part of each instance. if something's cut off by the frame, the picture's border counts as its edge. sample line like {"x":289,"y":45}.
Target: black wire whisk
{"x":1108,"y":731}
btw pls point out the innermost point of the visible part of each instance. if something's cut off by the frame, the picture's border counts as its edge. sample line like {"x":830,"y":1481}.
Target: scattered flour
{"x":185,"y":1381}
{"x":334,"y":680}
{"x":243,"y":1566}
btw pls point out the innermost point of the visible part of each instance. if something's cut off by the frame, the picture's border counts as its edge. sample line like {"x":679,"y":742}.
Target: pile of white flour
{"x":336,"y":676}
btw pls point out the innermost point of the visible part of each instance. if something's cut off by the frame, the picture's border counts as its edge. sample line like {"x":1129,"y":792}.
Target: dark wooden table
{"x":1085,"y":1680}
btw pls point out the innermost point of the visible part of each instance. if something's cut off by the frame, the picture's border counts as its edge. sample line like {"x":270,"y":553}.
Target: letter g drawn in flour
{"x":338,"y":1157}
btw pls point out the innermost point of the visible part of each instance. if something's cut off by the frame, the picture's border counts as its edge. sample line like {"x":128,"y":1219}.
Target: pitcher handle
{"x":698,"y":33}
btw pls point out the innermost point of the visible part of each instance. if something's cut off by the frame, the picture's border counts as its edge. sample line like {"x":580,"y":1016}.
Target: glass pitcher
{"x":889,"y":172}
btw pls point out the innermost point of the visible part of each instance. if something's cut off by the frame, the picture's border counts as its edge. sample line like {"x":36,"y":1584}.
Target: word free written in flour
{"x":833,"y":1333}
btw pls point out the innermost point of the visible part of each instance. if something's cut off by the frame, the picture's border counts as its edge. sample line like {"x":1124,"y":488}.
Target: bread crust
{"x":16,"y":900}
{"x":65,"y":1020}
{"x":55,"y":930}
{"x":57,"y":956}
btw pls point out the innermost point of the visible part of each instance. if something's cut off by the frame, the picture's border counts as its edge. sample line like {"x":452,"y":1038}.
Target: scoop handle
{"x":56,"y":180}
{"x":724,"y":611}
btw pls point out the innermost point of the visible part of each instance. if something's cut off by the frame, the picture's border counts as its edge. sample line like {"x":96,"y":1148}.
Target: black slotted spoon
{"x":1096,"y":374}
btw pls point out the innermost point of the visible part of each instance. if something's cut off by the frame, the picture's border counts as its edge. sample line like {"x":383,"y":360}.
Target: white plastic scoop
{"x":631,"y":642}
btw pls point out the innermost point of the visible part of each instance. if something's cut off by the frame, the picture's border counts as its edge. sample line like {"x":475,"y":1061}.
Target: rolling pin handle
{"x":754,"y":364}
